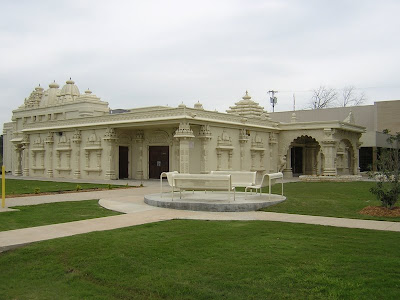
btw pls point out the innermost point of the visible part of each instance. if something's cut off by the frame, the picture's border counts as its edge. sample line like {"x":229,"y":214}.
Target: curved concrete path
{"x":137,"y":212}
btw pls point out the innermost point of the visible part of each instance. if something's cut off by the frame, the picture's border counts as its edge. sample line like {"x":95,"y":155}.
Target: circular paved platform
{"x":213,"y":201}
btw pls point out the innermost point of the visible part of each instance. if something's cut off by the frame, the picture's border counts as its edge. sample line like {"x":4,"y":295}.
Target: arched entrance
{"x":302,"y":157}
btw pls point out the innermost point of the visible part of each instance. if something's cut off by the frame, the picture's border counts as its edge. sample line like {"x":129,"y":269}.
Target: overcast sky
{"x":143,"y":53}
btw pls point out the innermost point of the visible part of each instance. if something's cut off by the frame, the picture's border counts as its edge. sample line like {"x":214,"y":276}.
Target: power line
{"x":341,"y":89}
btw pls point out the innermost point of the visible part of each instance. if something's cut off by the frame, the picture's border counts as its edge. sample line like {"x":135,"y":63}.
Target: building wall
{"x":79,"y":139}
{"x":388,"y":115}
{"x":363,"y":115}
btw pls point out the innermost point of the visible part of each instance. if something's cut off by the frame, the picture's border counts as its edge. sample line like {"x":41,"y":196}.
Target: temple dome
{"x":198,"y":105}
{"x":247,"y":108}
{"x":50,"y":96}
{"x":54,"y":85}
{"x":69,"y":91}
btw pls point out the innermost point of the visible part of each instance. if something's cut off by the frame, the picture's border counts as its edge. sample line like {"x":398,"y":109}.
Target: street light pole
{"x":273,"y":99}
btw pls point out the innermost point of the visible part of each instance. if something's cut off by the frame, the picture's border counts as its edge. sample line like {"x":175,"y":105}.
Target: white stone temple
{"x":61,"y":133}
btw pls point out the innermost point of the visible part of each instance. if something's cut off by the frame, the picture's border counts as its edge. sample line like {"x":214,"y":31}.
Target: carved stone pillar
{"x":313,"y":159}
{"x":87,"y":159}
{"x":205,"y":136}
{"x":184,"y":134}
{"x":110,"y":139}
{"x":76,"y":141}
{"x":139,"y":138}
{"x":253,"y":156}
{"x":25,"y":143}
{"x":273,"y":141}
{"x":243,"y":138}
{"x":288,"y":172}
{"x":42,"y":159}
{"x":58,"y":159}
{"x":262,"y":159}
{"x":18,"y":159}
{"x":68,"y":154}
{"x":329,"y":158}
{"x":49,"y":141}
{"x":230,"y":154}
{"x":33,"y":155}
{"x":329,"y":148}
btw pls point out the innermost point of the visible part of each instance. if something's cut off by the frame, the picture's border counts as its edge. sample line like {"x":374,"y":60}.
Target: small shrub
{"x":109,"y":186}
{"x":387,"y":188}
{"x":78,"y":188}
{"x":36,"y":190}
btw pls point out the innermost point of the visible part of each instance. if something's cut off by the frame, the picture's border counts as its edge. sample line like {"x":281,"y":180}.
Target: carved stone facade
{"x":62,"y":133}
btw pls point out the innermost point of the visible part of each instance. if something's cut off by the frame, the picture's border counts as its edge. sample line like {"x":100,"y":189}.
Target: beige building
{"x":61,"y":133}
{"x":375,"y":118}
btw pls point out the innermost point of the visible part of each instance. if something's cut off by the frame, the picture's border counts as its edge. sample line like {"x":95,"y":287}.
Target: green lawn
{"x":331,"y":199}
{"x":52,"y":213}
{"x":18,"y":186}
{"x":183,"y":259}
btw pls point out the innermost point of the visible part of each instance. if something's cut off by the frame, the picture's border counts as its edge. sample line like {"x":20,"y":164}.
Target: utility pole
{"x":273,"y":99}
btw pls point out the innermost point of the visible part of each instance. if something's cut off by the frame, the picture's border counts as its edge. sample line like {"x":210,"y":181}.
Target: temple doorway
{"x":123,"y":162}
{"x":158,"y":160}
{"x":297,"y":160}
{"x":303,"y":157}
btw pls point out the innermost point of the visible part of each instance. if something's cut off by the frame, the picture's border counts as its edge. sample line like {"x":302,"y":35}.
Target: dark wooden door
{"x":158,"y":160}
{"x":123,"y":162}
{"x":297,"y":160}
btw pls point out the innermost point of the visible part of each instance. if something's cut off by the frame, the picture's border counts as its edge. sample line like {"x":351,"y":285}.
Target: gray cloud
{"x":135,"y":53}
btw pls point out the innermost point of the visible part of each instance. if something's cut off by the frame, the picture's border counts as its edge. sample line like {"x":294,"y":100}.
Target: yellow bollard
{"x":3,"y":187}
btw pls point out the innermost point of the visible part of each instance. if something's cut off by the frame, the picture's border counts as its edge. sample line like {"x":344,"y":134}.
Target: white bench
{"x":168,"y":175}
{"x":266,"y":180}
{"x":201,"y":182}
{"x":239,"y":178}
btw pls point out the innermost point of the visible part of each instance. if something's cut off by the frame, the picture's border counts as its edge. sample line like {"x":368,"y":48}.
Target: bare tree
{"x":323,"y":97}
{"x":350,"y":97}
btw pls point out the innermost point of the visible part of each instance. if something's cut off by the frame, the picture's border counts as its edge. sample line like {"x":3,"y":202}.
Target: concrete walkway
{"x":137,"y":212}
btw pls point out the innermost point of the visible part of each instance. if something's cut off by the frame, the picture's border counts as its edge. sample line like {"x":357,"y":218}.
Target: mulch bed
{"x":379,"y":211}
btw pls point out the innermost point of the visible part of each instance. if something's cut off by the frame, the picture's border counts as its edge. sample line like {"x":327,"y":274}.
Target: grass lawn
{"x":52,"y":213}
{"x":18,"y":186}
{"x":183,"y":259}
{"x":331,"y":199}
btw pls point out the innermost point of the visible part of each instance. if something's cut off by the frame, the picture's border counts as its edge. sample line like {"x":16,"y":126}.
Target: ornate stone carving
{"x":77,"y":137}
{"x":205,"y":136}
{"x":49,"y":141}
{"x":110,"y":134}
{"x":159,"y":137}
{"x":110,"y":139}
{"x":76,"y":140}
{"x":224,"y":140}
{"x":243,"y":136}
{"x":25,"y":144}
{"x":205,"y":132}
{"x":184,"y":131}
{"x":184,"y":134}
